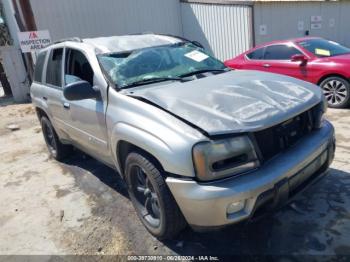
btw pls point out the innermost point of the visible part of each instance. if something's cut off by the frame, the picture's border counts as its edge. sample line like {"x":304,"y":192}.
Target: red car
{"x":317,"y":60}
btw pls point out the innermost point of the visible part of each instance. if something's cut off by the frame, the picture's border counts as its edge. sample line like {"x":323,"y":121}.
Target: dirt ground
{"x":81,"y":206}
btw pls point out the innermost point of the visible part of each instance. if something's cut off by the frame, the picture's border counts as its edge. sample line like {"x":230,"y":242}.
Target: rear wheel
{"x":336,"y":91}
{"x":151,"y":197}
{"x":56,"y":149}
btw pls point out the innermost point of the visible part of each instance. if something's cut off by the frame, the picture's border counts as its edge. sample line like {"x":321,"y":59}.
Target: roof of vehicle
{"x":299,"y":39}
{"x":124,"y":43}
{"x":293,"y":40}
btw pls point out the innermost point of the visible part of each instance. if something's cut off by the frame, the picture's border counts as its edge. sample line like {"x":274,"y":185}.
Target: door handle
{"x":45,"y":98}
{"x":266,"y":65}
{"x":66,"y":105}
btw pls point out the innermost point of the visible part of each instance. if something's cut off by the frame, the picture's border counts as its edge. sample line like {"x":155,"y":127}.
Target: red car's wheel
{"x":336,"y":91}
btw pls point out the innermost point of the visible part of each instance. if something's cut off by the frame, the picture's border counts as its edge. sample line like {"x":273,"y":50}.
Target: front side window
{"x":77,"y":67}
{"x":256,"y":54}
{"x":170,"y":61}
{"x":324,"y":48}
{"x":54,"y":68}
{"x":280,"y":52}
{"x":38,"y":72}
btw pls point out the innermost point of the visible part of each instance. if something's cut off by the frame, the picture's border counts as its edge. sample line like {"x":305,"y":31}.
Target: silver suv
{"x":195,"y":142}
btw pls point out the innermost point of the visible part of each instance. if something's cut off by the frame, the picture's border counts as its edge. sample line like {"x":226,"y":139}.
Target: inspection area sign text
{"x":33,"y":40}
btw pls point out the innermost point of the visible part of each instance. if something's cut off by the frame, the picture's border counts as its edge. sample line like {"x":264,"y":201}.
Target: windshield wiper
{"x":204,"y":71}
{"x":163,"y":79}
{"x":152,"y":80}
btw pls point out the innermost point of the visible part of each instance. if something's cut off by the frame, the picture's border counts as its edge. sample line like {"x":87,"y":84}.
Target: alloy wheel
{"x":145,"y":196}
{"x":50,"y":138}
{"x":335,"y":92}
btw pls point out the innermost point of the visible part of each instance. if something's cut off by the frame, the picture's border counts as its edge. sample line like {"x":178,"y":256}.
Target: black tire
{"x":337,"y":91}
{"x":56,"y":149}
{"x":161,"y":206}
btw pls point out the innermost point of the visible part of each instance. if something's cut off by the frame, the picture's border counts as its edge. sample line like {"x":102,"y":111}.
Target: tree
{"x":5,"y":38}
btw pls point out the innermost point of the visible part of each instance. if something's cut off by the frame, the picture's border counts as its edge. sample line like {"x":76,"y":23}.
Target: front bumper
{"x":205,"y":204}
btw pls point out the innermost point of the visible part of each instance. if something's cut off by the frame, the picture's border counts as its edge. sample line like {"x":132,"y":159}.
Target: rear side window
{"x":77,"y":67}
{"x":38,"y":72}
{"x":54,"y":68}
{"x":256,"y":54}
{"x":280,"y":52}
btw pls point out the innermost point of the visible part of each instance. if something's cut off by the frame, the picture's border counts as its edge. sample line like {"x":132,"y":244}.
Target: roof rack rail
{"x":178,"y":37}
{"x":72,"y":39}
{"x":170,"y":35}
{"x":142,"y":33}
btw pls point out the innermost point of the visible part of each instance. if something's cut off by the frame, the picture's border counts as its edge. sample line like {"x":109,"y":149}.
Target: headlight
{"x":319,"y":113}
{"x":224,"y":158}
{"x":324,"y":104}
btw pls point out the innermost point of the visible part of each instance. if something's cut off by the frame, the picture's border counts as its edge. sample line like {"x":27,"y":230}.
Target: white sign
{"x":316,"y":18}
{"x":33,"y":40}
{"x":263,"y":29}
{"x":316,"y":26}
{"x":300,"y":25}
{"x":196,"y":56}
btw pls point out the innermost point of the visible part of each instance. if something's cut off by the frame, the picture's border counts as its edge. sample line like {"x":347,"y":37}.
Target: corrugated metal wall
{"x":281,"y":20}
{"x":225,"y":30}
{"x":91,"y":18}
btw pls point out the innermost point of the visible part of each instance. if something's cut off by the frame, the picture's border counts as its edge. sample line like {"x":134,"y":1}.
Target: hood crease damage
{"x":233,"y":102}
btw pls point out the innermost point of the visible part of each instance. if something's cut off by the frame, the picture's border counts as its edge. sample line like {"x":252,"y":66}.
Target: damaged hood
{"x":236,"y":101}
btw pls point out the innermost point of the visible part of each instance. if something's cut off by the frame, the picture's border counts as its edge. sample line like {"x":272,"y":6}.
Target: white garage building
{"x":225,"y":27}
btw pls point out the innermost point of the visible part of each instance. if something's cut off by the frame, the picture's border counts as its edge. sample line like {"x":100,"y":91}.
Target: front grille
{"x":276,"y":139}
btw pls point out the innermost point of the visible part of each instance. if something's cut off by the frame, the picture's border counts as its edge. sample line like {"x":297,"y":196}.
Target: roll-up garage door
{"x":224,"y":29}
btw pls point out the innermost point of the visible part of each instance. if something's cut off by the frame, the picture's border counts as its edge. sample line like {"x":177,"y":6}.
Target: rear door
{"x":277,"y":59}
{"x":86,"y":123}
{"x":54,"y":90}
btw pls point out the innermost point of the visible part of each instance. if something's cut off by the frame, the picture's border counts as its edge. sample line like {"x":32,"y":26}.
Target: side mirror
{"x":196,"y":43}
{"x":299,"y":58}
{"x":79,"y":91}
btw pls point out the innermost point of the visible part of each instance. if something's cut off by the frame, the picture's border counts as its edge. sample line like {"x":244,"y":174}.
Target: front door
{"x":277,"y":59}
{"x":87,"y":125}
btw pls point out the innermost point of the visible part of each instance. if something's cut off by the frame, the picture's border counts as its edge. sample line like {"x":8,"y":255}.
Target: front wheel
{"x":151,"y":197}
{"x":336,"y":91}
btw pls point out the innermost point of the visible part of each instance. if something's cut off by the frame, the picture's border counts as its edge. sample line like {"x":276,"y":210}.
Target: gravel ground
{"x":81,"y":206}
